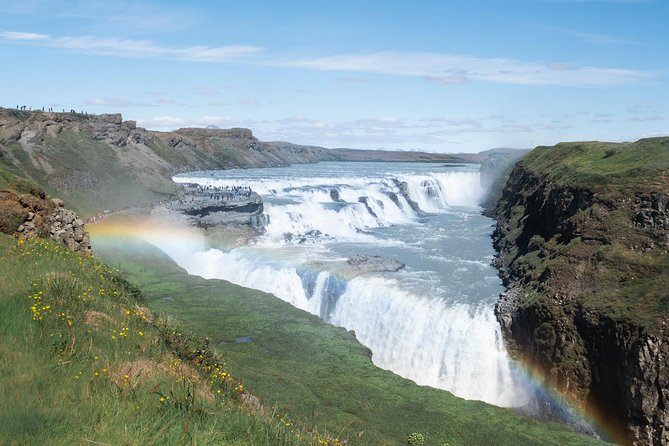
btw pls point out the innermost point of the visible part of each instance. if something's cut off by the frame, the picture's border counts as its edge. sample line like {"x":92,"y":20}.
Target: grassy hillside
{"x":317,"y":373}
{"x":82,"y":362}
{"x":609,"y":169}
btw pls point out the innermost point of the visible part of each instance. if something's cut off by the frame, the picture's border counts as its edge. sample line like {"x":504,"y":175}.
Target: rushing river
{"x":431,"y":321}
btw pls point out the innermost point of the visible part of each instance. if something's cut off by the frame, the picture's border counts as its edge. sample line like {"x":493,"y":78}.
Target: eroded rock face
{"x":604,"y":363}
{"x":651,"y":213}
{"x":403,"y":187}
{"x":34,"y":127}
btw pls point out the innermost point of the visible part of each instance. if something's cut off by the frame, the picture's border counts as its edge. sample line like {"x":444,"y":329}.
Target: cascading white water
{"x":431,"y":322}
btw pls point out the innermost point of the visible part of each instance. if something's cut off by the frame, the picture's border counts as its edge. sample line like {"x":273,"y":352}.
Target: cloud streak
{"x":119,"y":47}
{"x":453,"y":69}
{"x":443,"y":68}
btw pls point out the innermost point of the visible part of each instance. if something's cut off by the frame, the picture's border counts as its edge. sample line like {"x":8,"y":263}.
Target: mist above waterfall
{"x":432,"y":321}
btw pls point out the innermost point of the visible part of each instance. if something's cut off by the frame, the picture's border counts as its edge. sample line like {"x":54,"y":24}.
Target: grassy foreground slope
{"x":81,"y":362}
{"x":316,"y":373}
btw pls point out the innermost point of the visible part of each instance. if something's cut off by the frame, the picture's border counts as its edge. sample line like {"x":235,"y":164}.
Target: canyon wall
{"x":582,"y":237}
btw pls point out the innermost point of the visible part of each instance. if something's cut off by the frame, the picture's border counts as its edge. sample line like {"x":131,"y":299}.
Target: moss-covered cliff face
{"x":583,"y":235}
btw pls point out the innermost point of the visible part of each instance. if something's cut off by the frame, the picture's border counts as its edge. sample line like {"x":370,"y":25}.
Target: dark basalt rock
{"x":404,"y":191}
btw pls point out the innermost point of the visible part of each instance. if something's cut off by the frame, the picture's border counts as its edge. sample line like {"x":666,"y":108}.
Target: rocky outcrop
{"x":584,"y":265}
{"x":363,"y":264}
{"x":237,"y":133}
{"x":27,"y":212}
{"x":651,"y":213}
{"x":64,"y":226}
{"x":403,"y":187}
{"x":30,"y":128}
{"x":208,"y":210}
{"x":59,"y":224}
{"x":339,"y":274}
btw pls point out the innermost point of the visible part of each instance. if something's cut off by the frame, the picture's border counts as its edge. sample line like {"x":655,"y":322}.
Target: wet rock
{"x":403,"y":187}
{"x":365,"y":201}
{"x":334,"y":195}
{"x":362,"y":264}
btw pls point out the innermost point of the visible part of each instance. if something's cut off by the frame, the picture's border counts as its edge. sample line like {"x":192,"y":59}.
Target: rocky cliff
{"x":582,"y":239}
{"x":27,"y":212}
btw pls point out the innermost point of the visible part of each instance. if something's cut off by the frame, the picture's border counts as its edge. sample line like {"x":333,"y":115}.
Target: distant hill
{"x":395,"y":155}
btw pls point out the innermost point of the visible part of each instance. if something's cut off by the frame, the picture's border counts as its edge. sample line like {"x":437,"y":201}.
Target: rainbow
{"x":587,"y":417}
{"x":174,"y":238}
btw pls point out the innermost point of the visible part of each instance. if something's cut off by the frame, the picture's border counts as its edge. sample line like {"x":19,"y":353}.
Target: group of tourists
{"x":50,"y":109}
{"x":97,"y":218}
{"x":226,"y":193}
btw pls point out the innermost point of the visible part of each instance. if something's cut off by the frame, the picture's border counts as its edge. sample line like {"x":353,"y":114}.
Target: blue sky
{"x":445,"y":76}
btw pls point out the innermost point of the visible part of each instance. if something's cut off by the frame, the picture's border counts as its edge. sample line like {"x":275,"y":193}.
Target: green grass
{"x":6,"y":178}
{"x":80,"y":363}
{"x":316,"y":373}
{"x":603,"y":167}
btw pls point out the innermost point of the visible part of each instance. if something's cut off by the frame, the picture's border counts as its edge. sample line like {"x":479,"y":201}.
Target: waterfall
{"x":423,"y":323}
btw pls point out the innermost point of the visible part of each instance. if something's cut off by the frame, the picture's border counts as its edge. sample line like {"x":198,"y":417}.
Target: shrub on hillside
{"x":12,"y":214}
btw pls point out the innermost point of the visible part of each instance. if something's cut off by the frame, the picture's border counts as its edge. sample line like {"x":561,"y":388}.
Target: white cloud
{"x":440,"y":67}
{"x":220,"y":121}
{"x":114,"y":46}
{"x":23,"y":36}
{"x":204,"y":90}
{"x":647,"y":118}
{"x":451,"y":68}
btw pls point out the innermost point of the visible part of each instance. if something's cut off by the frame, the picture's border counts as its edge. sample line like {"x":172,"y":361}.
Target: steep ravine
{"x":582,"y":237}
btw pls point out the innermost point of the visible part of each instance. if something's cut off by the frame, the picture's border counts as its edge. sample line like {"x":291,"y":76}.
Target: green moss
{"x":633,"y":166}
